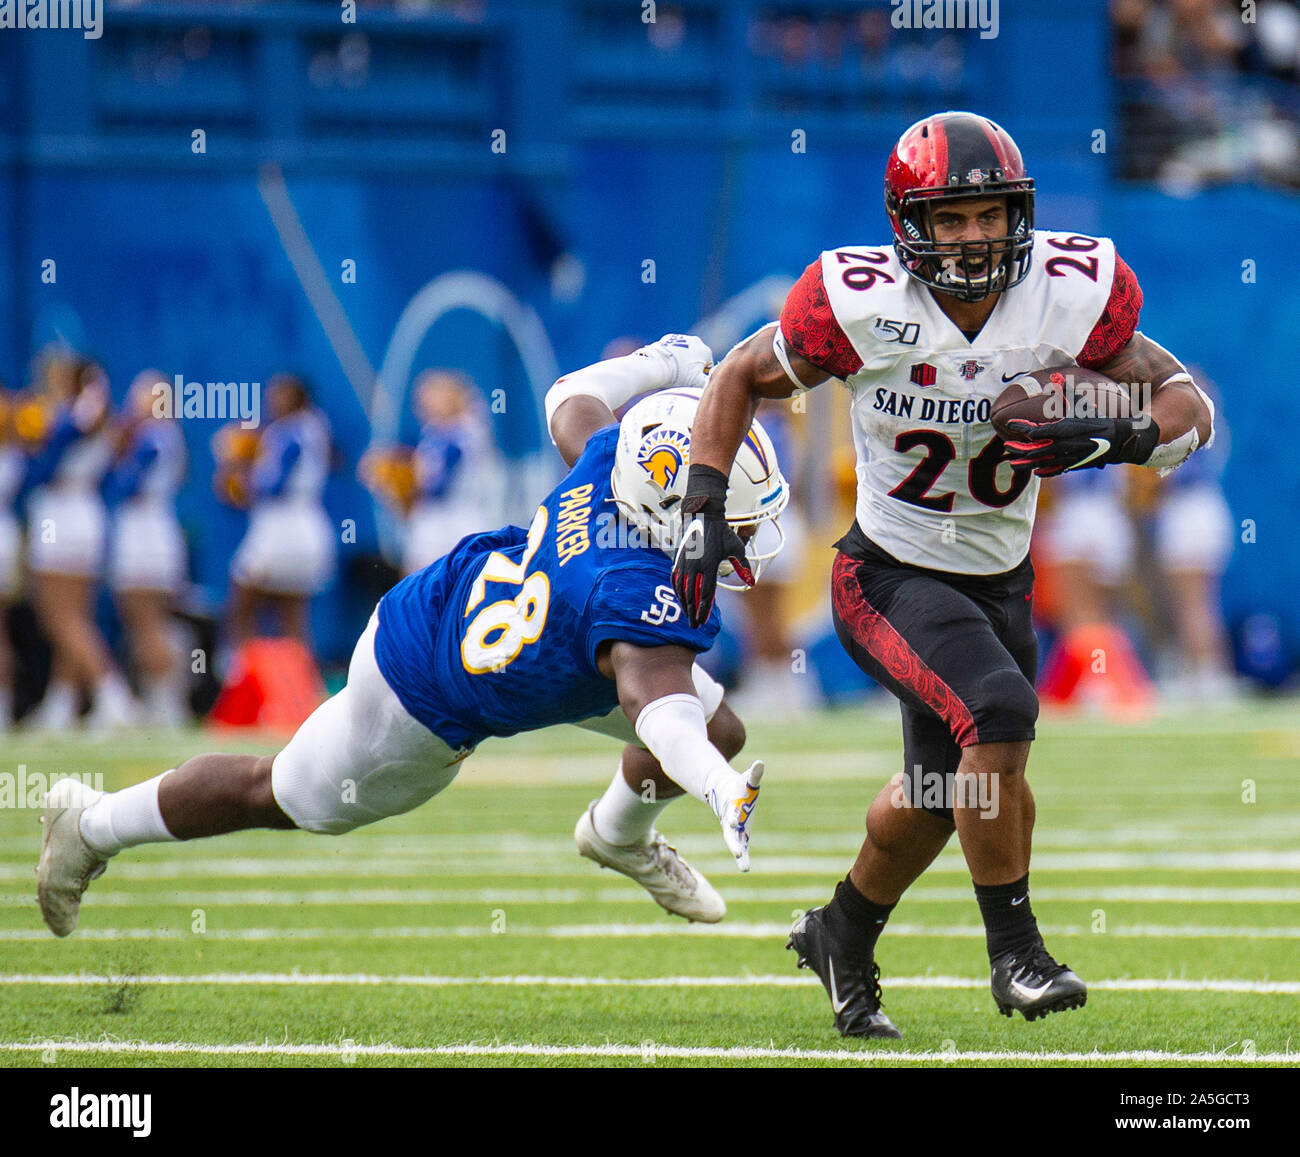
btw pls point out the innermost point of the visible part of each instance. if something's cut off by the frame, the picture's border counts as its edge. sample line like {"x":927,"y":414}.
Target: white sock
{"x":58,"y":707}
{"x":113,"y":694}
{"x":123,"y":819}
{"x":622,"y":817}
{"x":165,"y":701}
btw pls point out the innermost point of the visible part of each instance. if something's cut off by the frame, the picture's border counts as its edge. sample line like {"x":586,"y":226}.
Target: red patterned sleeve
{"x":810,"y":329}
{"x":1118,"y":321}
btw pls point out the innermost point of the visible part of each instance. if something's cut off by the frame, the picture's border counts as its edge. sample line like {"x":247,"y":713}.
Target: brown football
{"x":1059,"y":392}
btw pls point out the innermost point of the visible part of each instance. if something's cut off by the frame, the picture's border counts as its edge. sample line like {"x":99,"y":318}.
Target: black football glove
{"x":707,"y":541}
{"x":1080,"y":443}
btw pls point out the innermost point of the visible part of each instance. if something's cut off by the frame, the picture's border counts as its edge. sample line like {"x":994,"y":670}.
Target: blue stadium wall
{"x":172,"y":260}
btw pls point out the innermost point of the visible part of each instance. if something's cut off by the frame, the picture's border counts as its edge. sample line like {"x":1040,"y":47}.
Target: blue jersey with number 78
{"x":500,"y":636}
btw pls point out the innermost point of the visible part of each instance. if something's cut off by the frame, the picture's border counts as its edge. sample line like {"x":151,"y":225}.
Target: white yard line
{"x":340,"y":864}
{"x":1270,"y":834}
{"x":377,"y":980}
{"x":367,"y":897}
{"x":617,"y":931}
{"x":648,"y":1052}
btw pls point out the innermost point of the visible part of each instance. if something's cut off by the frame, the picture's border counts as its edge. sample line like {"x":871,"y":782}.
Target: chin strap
{"x":783,"y":356}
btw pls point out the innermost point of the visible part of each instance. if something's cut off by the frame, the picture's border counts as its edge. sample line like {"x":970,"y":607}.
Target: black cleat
{"x":851,"y":978}
{"x":1031,"y":981}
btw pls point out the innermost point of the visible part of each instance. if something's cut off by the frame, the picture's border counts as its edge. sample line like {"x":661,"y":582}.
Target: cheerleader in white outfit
{"x":456,"y":469}
{"x":289,"y":552}
{"x":66,"y":527}
{"x":1089,"y":537}
{"x":147,"y":549}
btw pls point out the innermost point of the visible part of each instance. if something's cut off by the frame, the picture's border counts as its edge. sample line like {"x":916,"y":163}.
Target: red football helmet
{"x":945,"y":157}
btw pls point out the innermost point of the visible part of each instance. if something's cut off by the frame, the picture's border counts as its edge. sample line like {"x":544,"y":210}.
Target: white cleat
{"x":658,"y":868}
{"x":735,"y":810}
{"x":68,"y":863}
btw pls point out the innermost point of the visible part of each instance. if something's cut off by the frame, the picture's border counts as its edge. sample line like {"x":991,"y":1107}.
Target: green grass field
{"x":470,"y":931}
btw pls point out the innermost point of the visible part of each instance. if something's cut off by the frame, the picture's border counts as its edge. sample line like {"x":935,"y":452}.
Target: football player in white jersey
{"x":933,"y":585}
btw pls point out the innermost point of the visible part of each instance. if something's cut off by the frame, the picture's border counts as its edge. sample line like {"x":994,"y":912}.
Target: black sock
{"x":856,"y":918}
{"x":1009,"y":922}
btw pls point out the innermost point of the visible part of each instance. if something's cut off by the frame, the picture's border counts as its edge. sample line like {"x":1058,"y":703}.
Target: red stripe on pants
{"x":884,"y":644}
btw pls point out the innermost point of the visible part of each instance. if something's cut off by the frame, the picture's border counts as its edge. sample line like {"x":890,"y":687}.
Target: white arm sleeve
{"x":674,"y":730}
{"x":615,"y":381}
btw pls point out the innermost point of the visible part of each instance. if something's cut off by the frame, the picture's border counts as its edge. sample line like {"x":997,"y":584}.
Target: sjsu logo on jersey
{"x":663,"y":454}
{"x":666,"y":608}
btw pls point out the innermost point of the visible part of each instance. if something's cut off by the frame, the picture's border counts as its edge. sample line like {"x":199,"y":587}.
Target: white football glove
{"x":735,"y":809}
{"x":686,"y":358}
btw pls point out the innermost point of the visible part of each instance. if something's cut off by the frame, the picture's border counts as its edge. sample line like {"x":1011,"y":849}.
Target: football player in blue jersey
{"x":570,"y":621}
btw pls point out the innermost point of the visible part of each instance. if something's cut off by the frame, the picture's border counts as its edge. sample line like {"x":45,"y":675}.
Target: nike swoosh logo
{"x":1031,"y":993}
{"x":837,"y":1005}
{"x":1022,"y":898}
{"x":1013,"y":377}
{"x":1103,"y":447}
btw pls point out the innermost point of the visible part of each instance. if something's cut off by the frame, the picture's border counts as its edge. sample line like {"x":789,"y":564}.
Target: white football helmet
{"x":650,"y":466}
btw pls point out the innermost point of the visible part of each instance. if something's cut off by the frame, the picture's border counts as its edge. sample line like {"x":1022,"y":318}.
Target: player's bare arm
{"x":751,"y":372}
{"x":1177,"y":405}
{"x":656,"y":690}
{"x":576,"y":420}
{"x":761,"y":367}
{"x":644,"y":674}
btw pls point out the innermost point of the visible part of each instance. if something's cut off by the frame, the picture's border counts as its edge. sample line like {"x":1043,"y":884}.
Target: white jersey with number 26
{"x":934,"y":489}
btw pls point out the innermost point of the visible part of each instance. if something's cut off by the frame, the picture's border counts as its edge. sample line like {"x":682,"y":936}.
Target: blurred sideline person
{"x":1089,"y":545}
{"x":449,"y":485}
{"x":13,"y":471}
{"x":456,"y":468}
{"x":65,"y":546}
{"x":1088,"y":537}
{"x":1194,"y":534}
{"x":288,"y":552}
{"x":147,"y":556}
{"x":570,"y":621}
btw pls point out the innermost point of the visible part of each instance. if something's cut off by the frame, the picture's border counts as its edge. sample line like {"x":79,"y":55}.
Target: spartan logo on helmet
{"x":948,"y":157}
{"x":649,"y":476}
{"x":662,"y":455}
